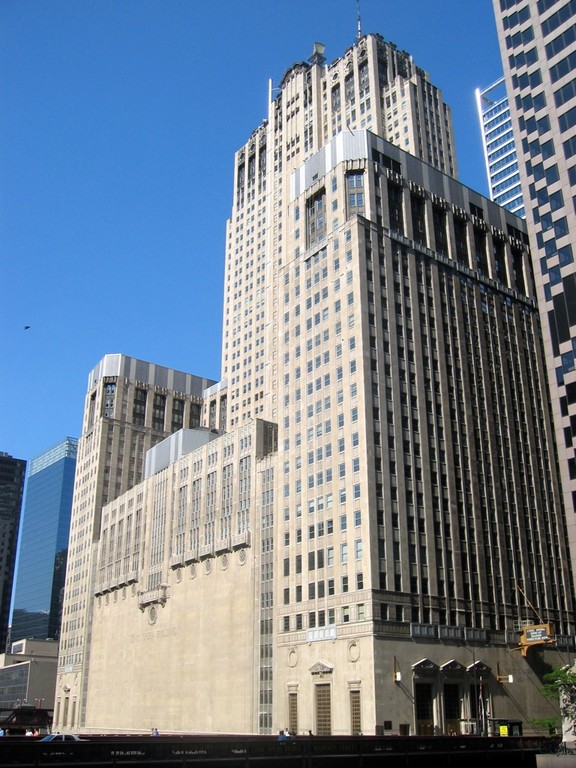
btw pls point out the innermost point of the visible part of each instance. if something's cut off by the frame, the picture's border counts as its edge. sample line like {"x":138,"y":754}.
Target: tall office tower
{"x":499,"y":147}
{"x":373,"y":572}
{"x":538,"y":46}
{"x":43,"y":543}
{"x":373,"y":86}
{"x":130,"y":406}
{"x":12,"y":474}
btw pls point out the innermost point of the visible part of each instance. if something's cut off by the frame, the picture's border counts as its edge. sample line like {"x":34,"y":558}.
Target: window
{"x":343,"y":553}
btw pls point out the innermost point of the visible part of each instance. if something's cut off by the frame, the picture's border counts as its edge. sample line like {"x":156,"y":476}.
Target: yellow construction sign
{"x":536,"y":634}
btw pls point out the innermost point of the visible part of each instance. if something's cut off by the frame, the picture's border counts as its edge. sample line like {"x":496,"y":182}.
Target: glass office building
{"x":44,"y":529}
{"x":499,"y":147}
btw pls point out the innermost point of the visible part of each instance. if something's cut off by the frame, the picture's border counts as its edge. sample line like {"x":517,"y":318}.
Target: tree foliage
{"x":560,"y":685}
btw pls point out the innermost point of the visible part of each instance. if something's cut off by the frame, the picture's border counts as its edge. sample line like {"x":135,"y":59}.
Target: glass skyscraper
{"x":499,"y":147}
{"x":44,"y":530}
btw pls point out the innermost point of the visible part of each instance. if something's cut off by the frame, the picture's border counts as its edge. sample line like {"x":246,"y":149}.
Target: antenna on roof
{"x":359,"y":32}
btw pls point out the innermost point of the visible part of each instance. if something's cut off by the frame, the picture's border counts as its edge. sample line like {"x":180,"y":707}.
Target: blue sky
{"x":119,"y":120}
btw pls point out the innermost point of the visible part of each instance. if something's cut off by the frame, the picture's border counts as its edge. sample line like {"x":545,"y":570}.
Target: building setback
{"x":12,"y":475}
{"x":43,"y":545}
{"x":358,"y":550}
{"x":538,"y":48}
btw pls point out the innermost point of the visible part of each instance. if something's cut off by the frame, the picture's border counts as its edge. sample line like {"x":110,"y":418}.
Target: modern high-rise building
{"x":43,"y":543}
{"x":538,"y":46}
{"x":130,"y":406}
{"x":12,"y":476}
{"x":499,"y":147}
{"x":364,"y":544}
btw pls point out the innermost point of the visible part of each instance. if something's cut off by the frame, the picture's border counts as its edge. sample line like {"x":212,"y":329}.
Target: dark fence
{"x":302,"y":752}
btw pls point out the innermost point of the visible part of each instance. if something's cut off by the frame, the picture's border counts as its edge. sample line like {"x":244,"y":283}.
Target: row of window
{"x":321,"y":589}
{"x":317,"y":530}
{"x":318,"y":559}
{"x":322,"y":618}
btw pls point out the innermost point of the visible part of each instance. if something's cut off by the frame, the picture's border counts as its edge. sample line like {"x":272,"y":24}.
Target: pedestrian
{"x":282,"y":737}
{"x":155,"y":732}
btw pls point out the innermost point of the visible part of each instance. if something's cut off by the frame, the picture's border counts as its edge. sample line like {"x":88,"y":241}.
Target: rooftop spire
{"x":359,"y":30}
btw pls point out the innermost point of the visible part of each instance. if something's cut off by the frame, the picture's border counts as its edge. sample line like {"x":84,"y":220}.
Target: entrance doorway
{"x":424,"y":709}
{"x":323,"y":710}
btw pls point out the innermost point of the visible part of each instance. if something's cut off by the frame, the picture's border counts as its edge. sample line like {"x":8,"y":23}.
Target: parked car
{"x":62,"y":737}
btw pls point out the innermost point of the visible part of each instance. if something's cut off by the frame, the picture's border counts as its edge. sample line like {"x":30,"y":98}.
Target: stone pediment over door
{"x":321,"y":669}
{"x":453,"y":668}
{"x":425,"y":667}
{"x":479,"y":667}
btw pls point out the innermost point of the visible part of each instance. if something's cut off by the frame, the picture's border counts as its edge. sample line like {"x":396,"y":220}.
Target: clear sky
{"x":119,"y":120}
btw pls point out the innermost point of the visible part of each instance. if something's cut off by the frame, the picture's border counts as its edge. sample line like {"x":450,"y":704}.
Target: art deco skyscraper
{"x":373,"y":86}
{"x":43,"y":546}
{"x":130,"y":406}
{"x":358,"y":552}
{"x":538,"y":47}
